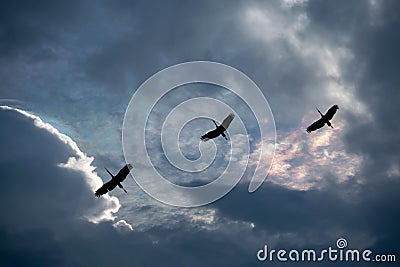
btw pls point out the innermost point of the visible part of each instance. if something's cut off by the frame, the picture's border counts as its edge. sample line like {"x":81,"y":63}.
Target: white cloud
{"x":80,"y":163}
{"x":272,"y":28}
{"x":292,"y":3}
{"x":122,"y":225}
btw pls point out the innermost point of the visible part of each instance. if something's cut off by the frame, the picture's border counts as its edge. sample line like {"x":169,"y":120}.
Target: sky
{"x":68,"y":71}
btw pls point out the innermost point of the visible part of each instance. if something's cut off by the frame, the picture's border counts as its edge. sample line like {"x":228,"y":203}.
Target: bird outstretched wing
{"x":210,"y":135}
{"x":116,"y":180}
{"x":219,"y":130}
{"x":121,"y":175}
{"x":329,"y":114}
{"x":110,"y":185}
{"x":101,"y":191}
{"x":227,"y":121}
{"x":316,"y":125}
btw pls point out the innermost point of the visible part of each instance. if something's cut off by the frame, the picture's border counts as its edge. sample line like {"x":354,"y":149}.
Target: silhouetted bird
{"x":219,"y":129}
{"x":325,"y":119}
{"x":116,"y":180}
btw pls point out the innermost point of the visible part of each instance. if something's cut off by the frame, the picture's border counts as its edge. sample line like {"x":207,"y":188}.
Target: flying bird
{"x":115,"y":180}
{"x":325,"y":119}
{"x":219,"y":130}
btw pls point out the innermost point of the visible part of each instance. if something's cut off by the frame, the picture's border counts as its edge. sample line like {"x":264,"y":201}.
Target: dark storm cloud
{"x":366,"y":218}
{"x":372,"y":35}
{"x":43,"y":206}
{"x":101,"y":53}
{"x":336,"y":19}
{"x":153,"y":37}
{"x":36,"y":185}
{"x":377,"y":51}
{"x":43,"y":215}
{"x":28,"y":27}
{"x":145,"y":40}
{"x":80,"y":65}
{"x":371,"y":31}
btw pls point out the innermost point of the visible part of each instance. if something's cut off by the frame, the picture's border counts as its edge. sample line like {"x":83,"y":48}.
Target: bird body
{"x":115,"y":180}
{"x":219,"y":130}
{"x":325,"y":119}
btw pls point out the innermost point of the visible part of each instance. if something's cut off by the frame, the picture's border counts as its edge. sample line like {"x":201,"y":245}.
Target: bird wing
{"x":329,"y":114}
{"x":121,"y":175}
{"x":227,"y":121}
{"x":316,"y":125}
{"x":101,"y":191}
{"x":210,"y":135}
{"x":110,"y":185}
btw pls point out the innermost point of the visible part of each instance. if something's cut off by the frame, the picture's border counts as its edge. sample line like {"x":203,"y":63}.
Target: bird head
{"x":130,"y":167}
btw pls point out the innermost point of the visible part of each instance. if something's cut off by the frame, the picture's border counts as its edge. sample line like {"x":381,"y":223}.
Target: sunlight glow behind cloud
{"x":80,"y":163}
{"x":302,"y":161}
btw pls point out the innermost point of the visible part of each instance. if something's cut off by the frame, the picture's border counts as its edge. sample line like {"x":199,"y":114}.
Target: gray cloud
{"x":373,"y":72}
{"x":45,"y":206}
{"x":77,"y":64}
{"x":42,"y":216}
{"x":40,"y":158}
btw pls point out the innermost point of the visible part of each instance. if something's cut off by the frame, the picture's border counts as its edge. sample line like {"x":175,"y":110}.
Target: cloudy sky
{"x":68,"y":70}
